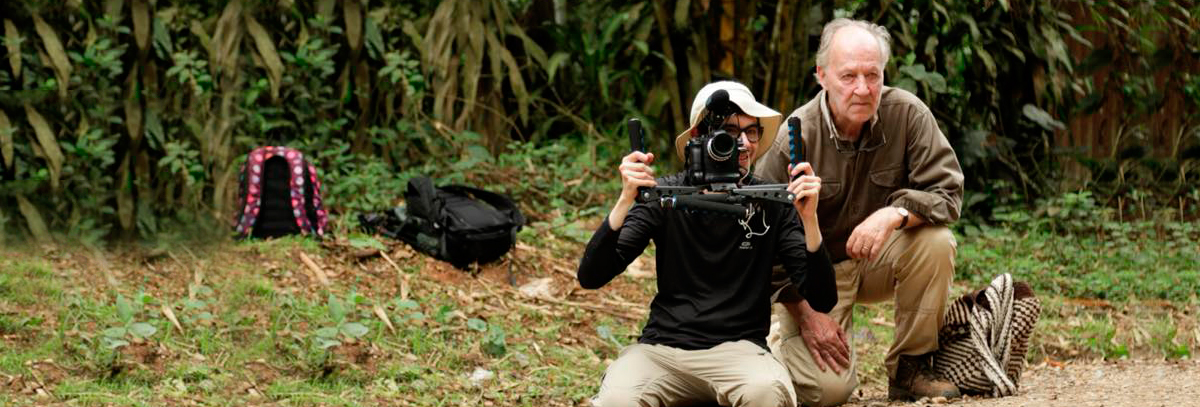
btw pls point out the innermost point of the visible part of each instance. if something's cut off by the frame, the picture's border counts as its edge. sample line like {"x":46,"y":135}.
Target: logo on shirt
{"x":746,"y":245}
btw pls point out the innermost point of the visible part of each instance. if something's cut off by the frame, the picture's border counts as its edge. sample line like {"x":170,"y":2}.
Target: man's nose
{"x":861,"y":87}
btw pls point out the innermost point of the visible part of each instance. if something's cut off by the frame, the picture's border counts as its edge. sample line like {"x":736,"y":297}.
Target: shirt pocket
{"x":830,"y":189}
{"x":889,"y":179}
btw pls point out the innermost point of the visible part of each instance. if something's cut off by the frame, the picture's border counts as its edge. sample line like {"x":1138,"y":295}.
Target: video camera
{"x":711,"y":162}
{"x":712,"y":159}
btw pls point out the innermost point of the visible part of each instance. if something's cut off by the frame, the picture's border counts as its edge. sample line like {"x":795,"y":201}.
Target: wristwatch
{"x":904,"y":213}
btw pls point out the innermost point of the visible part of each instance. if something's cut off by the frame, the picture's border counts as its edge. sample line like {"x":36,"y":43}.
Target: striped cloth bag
{"x":985,"y":336}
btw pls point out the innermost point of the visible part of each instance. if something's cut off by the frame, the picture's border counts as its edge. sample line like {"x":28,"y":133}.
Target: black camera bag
{"x":457,"y":223}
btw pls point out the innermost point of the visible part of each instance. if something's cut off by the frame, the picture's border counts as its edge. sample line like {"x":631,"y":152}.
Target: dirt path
{"x":1089,"y":384}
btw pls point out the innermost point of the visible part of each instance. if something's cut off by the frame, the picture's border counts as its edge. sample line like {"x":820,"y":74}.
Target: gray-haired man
{"x":890,"y":185}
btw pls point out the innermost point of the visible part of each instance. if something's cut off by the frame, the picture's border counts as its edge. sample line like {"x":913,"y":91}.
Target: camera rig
{"x":726,"y":197}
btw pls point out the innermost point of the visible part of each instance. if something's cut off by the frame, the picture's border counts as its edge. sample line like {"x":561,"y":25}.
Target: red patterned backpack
{"x":278,"y":195}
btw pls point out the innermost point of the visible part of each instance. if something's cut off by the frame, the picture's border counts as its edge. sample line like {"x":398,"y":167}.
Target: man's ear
{"x":820,"y":75}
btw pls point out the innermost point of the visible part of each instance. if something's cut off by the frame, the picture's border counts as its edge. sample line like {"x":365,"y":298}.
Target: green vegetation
{"x":123,"y":125}
{"x":126,"y":120}
{"x":257,"y":327}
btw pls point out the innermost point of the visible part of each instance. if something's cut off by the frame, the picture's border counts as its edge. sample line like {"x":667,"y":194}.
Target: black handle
{"x":797,"y":144}
{"x":695,"y":202}
{"x":637,"y":142}
{"x":636,"y":137}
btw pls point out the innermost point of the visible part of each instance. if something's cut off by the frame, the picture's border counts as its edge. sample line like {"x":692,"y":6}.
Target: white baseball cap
{"x":740,"y":95}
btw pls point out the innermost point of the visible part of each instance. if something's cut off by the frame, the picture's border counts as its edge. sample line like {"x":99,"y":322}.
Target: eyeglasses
{"x":753,"y":132}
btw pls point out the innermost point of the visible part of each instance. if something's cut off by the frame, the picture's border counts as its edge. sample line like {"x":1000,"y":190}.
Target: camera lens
{"x":721,"y":146}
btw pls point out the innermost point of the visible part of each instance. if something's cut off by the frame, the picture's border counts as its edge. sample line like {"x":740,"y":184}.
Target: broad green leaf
{"x":162,"y":37}
{"x":354,"y":330}
{"x":225,"y":40}
{"x":477,"y":324}
{"x":354,"y":28}
{"x":6,"y":139}
{"x":680,"y":18}
{"x":58,"y":56}
{"x":12,"y":40}
{"x":124,"y":309}
{"x":988,"y":62}
{"x":266,"y":50}
{"x":48,"y":143}
{"x":33,"y":219}
{"x":374,"y":38}
{"x":326,"y":332}
{"x":117,"y":332}
{"x":326,"y":343}
{"x":1042,"y":118}
{"x":204,"y":316}
{"x":361,"y":242}
{"x":141,"y":24}
{"x":144,"y":298}
{"x":113,"y":8}
{"x":337,"y":310}
{"x":406,"y":304}
{"x":113,"y":343}
{"x":142,"y":329}
{"x":557,"y":60}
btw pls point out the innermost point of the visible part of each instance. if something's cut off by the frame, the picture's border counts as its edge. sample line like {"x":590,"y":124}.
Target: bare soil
{"x":1083,"y":383}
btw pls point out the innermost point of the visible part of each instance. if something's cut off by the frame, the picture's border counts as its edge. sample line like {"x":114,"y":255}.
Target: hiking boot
{"x":915,"y":379}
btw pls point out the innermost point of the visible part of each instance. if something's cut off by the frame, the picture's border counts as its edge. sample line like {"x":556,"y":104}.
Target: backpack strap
{"x":299,"y":192}
{"x":421,"y":199}
{"x":250,"y":190}
{"x":318,"y":217}
{"x":498,"y":201}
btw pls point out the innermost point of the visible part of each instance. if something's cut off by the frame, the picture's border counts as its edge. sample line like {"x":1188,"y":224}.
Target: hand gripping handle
{"x":637,"y":142}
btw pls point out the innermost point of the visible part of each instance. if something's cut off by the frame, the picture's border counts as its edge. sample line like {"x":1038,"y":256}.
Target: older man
{"x":890,"y":184}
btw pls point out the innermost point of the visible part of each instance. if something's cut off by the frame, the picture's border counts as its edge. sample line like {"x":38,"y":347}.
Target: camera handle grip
{"x":797,"y":144}
{"x":636,"y":136}
{"x":637,"y":142}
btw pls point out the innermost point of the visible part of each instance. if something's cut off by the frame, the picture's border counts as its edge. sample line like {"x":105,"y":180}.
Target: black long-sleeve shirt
{"x":713,"y":275}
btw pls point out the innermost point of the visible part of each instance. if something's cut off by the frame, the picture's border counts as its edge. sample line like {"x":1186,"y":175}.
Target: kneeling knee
{"x":936,"y":241}
{"x":769,"y":393}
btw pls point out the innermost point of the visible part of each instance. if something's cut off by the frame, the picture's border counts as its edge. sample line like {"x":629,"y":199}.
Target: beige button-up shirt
{"x":902,"y":159}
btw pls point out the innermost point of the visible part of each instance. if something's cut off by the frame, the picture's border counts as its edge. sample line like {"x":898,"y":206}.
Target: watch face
{"x":902,"y":211}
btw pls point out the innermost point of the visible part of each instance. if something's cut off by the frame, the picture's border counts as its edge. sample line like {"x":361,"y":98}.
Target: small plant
{"x":408,"y":310}
{"x":330,"y":336}
{"x":194,"y":307}
{"x":115,"y":337}
{"x":494,"y":342}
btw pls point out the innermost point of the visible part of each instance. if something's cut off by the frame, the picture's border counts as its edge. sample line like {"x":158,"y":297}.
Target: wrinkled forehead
{"x":855,"y":46}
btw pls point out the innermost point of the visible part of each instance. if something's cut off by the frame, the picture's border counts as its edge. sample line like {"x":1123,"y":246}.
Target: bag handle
{"x":991,"y":334}
{"x":422,"y":200}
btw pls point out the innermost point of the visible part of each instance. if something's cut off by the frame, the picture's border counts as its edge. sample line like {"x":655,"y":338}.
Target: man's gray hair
{"x":832,"y":27}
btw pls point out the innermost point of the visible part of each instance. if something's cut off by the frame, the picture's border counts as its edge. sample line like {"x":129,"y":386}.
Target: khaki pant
{"x":915,"y":269}
{"x":731,"y":374}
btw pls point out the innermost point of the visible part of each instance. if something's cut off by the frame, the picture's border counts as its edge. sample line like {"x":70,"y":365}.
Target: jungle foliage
{"x":129,"y":118}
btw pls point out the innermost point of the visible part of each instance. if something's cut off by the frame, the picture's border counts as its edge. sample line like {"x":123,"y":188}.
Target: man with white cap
{"x":891,"y":184}
{"x":705,"y":340}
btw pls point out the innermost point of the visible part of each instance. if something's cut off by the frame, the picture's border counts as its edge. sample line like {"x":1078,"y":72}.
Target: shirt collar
{"x":828,"y":117}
